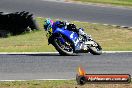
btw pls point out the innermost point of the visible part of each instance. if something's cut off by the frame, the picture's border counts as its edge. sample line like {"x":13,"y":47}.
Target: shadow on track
{"x":47,"y":54}
{"x":55,"y":54}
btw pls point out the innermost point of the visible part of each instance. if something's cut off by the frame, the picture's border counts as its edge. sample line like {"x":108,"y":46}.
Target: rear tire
{"x":60,"y":49}
{"x":4,"y":33}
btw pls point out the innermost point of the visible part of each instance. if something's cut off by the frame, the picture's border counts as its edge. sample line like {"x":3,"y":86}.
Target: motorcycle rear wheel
{"x":63,"y":49}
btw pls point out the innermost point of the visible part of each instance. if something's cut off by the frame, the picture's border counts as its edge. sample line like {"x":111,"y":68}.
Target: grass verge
{"x":58,"y":84}
{"x":110,"y":38}
{"x":112,"y":2}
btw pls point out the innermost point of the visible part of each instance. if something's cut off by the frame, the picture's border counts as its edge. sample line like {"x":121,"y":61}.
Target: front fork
{"x":80,"y":45}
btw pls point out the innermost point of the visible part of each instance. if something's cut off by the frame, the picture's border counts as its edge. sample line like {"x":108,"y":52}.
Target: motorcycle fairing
{"x":69,"y":34}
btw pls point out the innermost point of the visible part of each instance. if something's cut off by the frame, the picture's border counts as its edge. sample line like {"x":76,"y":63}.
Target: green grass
{"x":110,"y":38}
{"x":27,"y":42}
{"x":58,"y":84}
{"x":35,"y":84}
{"x":113,"y":2}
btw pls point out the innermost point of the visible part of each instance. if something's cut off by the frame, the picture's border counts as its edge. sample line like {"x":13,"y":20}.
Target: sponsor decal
{"x":83,"y":78}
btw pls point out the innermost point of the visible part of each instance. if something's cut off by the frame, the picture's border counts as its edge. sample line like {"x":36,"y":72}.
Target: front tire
{"x":61,"y":47}
{"x":95,"y":50}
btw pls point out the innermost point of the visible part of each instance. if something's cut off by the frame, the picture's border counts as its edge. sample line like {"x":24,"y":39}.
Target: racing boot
{"x":84,"y":35}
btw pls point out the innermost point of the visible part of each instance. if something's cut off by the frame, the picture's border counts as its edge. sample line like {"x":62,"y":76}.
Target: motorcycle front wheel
{"x":95,"y":50}
{"x":64,"y":48}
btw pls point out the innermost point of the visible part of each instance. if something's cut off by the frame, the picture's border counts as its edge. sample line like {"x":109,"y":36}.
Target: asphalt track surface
{"x":53,"y":66}
{"x":71,"y":11}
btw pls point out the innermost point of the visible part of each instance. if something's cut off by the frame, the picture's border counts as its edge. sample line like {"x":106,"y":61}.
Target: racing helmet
{"x":48,"y":24}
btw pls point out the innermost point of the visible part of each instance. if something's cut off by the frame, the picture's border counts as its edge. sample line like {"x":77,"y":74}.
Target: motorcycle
{"x":68,"y":42}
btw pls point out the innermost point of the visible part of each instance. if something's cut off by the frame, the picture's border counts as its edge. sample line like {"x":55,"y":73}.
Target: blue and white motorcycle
{"x":70,"y":43}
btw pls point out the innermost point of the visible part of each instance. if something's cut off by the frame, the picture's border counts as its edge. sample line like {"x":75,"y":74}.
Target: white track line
{"x":117,"y":51}
{"x":39,"y":80}
{"x":28,"y":52}
{"x":57,"y":52}
{"x":36,"y":80}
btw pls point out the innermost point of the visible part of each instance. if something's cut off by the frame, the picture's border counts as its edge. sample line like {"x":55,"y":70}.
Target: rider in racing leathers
{"x":68,"y":26}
